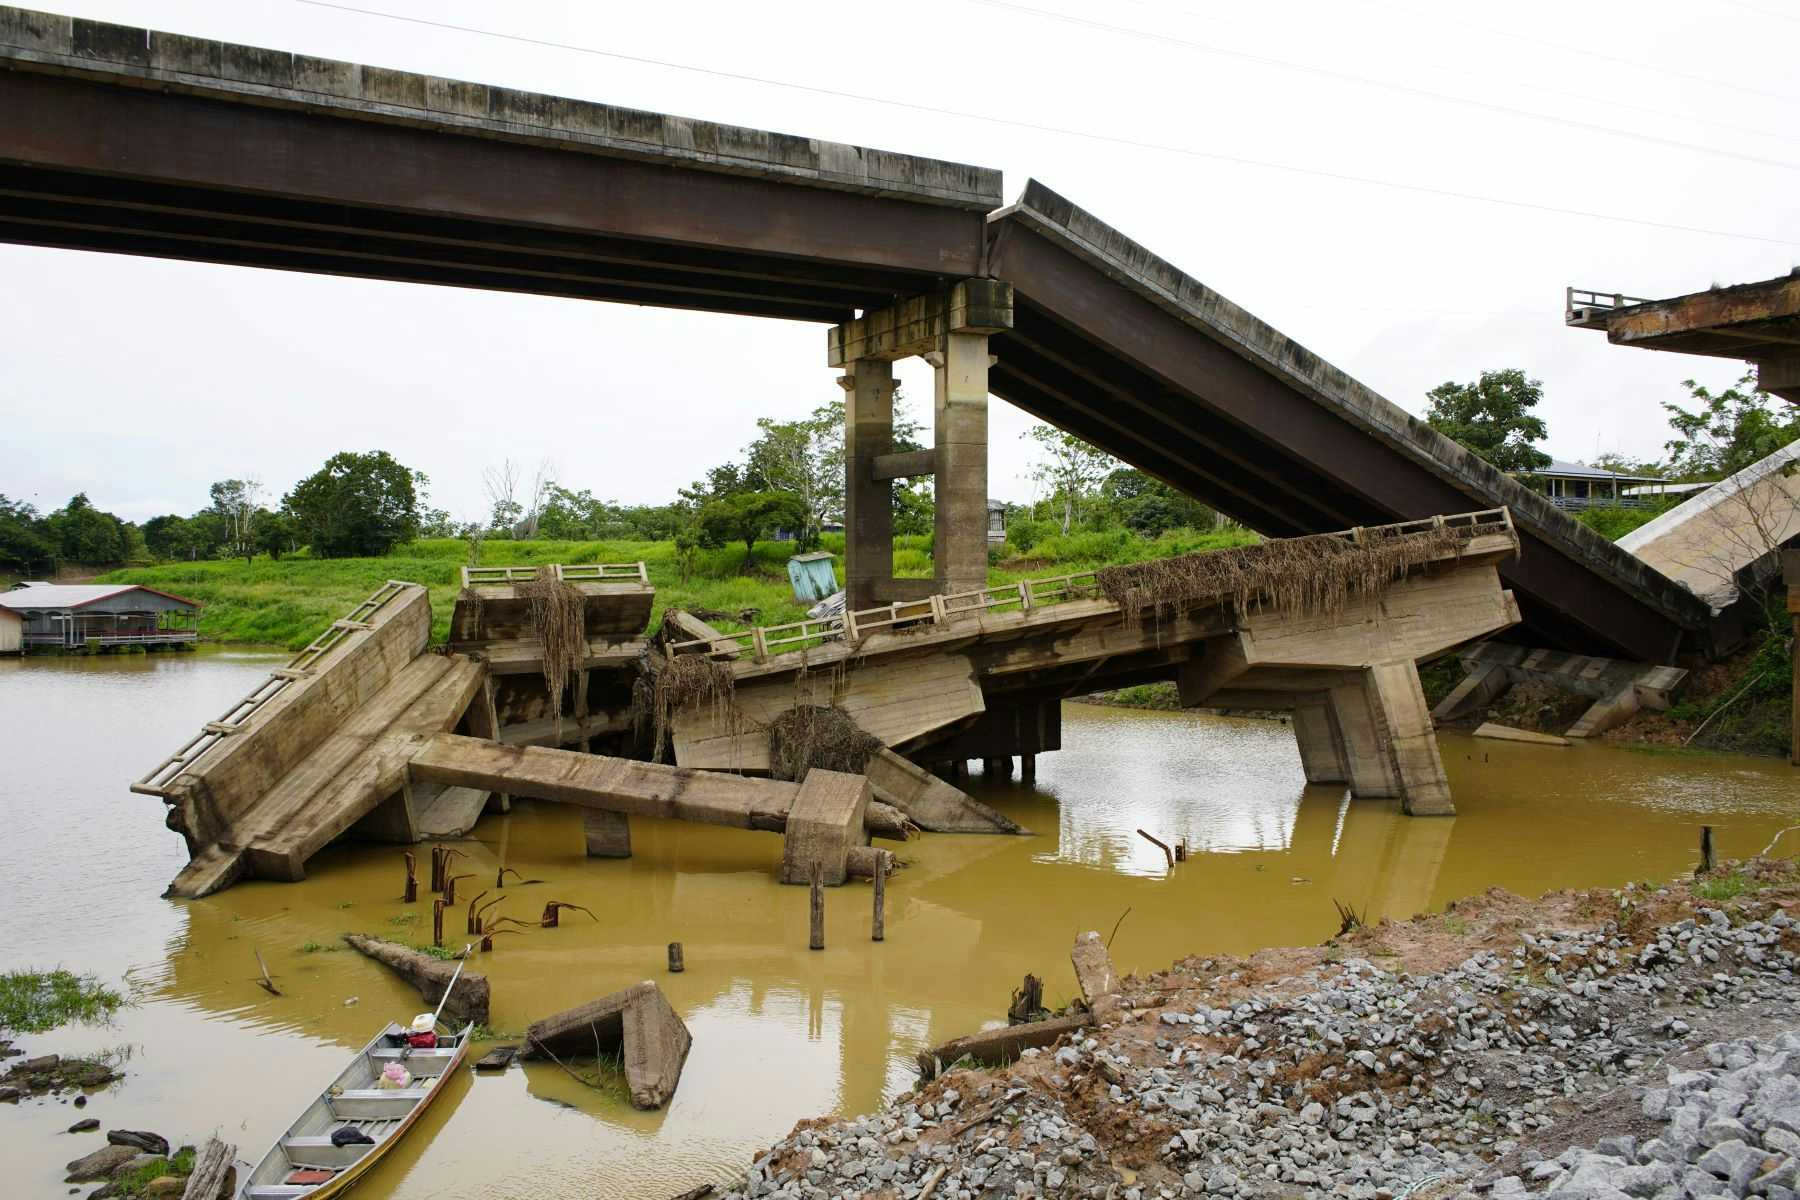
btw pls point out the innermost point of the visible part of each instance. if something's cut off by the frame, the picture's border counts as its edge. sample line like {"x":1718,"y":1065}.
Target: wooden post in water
{"x":818,"y":909}
{"x":1027,"y":768}
{"x":1181,"y":850}
{"x":437,"y":869}
{"x":878,"y":931}
{"x":411,"y":894}
{"x":1026,"y":1002}
{"x":676,"y":965}
{"x":437,"y":923}
{"x":1706,"y":851}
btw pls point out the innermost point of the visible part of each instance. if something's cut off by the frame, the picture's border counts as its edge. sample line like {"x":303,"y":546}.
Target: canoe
{"x":303,"y":1162}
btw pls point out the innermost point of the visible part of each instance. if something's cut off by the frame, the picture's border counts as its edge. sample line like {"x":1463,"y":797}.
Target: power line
{"x":1387,"y":85}
{"x":1060,"y":131}
{"x":1438,"y":13}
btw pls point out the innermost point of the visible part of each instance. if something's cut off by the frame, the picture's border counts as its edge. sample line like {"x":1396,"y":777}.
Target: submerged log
{"x":469,"y":1002}
{"x":636,"y":1023}
{"x":998,"y":1047}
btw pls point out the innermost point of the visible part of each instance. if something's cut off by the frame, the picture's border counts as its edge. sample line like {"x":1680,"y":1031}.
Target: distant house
{"x":75,"y":616}
{"x":996,"y":529}
{"x":1576,"y":486}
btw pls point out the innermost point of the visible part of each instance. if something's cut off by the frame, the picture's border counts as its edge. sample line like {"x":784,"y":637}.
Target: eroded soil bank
{"x":1475,"y":1050}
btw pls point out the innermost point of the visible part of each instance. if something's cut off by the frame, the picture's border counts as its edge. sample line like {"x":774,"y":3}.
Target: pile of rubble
{"x":1391,"y":1062}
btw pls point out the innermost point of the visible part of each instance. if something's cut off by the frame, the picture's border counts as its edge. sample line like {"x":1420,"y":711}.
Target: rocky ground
{"x":1599,"y":1044}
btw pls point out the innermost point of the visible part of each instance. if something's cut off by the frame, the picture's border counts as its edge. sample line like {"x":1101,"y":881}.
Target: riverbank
{"x":1505,"y":1045}
{"x":287,"y":602}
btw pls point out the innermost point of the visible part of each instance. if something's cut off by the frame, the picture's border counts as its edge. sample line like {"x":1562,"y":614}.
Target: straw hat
{"x":423,"y":1023}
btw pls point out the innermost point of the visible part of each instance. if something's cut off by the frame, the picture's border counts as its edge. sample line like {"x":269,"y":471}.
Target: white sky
{"x":142,"y":381}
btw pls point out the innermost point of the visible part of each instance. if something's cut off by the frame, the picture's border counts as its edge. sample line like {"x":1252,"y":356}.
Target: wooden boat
{"x":305,"y":1163}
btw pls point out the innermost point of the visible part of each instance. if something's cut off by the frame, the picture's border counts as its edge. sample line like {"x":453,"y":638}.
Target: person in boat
{"x":394,"y":1077}
{"x":423,"y":1033}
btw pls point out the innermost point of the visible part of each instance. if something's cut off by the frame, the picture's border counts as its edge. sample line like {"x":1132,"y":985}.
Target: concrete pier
{"x":608,"y":834}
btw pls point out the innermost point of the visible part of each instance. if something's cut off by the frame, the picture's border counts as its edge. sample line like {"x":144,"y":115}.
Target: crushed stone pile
{"x":1352,"y":1078}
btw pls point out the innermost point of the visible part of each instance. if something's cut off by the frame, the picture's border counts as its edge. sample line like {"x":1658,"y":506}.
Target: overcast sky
{"x":141,"y":381}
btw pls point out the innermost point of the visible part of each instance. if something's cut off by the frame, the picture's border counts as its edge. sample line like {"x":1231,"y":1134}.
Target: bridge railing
{"x":1027,"y":594}
{"x":568,"y":573}
{"x":156,"y":782}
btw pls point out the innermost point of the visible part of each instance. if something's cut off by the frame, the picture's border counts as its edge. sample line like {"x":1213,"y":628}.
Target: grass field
{"x":287,"y":603}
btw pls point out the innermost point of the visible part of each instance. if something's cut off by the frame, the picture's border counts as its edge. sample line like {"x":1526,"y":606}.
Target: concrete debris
{"x":469,"y":1002}
{"x":825,"y":822}
{"x":1506,"y":733}
{"x":1094,"y":973}
{"x":1543,"y":1062}
{"x":636,"y":1023}
{"x":997,"y":1047}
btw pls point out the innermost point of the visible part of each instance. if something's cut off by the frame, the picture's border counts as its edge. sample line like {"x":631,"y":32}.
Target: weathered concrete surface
{"x":1618,"y":689}
{"x":933,"y":805}
{"x":612,"y":612}
{"x":469,"y":1000}
{"x":608,"y":834}
{"x":623,"y":785}
{"x":637,"y":1023}
{"x":142,"y":58}
{"x":446,"y":812}
{"x":997,"y":1047}
{"x":1704,"y":542}
{"x":1759,"y":322}
{"x":825,"y":821}
{"x":1095,"y":976}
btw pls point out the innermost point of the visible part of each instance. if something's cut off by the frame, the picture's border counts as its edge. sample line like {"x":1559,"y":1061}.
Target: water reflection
{"x":780,"y":1033}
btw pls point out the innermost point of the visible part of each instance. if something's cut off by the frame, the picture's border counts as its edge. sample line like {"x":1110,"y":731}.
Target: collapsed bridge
{"x":124,"y":140}
{"x":578,"y":708}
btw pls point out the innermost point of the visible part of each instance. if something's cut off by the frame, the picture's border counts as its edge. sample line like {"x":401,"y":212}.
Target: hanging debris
{"x":666,"y":685}
{"x":1304,"y":576}
{"x":558,"y":617}
{"x":822,"y":736}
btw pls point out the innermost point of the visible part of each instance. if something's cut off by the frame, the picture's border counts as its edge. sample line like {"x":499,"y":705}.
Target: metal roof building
{"x":75,"y":616}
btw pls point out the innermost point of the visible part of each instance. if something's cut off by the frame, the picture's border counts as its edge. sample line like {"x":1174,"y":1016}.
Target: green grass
{"x":287,"y":603}
{"x":134,"y":1182}
{"x":1725,"y":887}
{"x":39,"y":1001}
{"x":1161,"y":697}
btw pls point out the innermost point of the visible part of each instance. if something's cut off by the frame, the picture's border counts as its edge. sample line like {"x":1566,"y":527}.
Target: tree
{"x":82,"y":533}
{"x":1149,"y":506}
{"x":25,"y":543}
{"x":356,"y":504}
{"x":502,"y":485}
{"x":1492,"y":417}
{"x":1072,"y":469}
{"x":238,"y":501}
{"x":747,"y":516}
{"x":277,"y":533}
{"x":1727,"y":431}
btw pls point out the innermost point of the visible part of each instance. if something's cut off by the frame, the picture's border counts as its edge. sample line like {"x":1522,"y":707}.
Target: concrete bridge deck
{"x":126,"y":140}
{"x":913,"y":673}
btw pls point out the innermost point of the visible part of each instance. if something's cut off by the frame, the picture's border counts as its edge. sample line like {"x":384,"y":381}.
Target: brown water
{"x":780,"y":1033}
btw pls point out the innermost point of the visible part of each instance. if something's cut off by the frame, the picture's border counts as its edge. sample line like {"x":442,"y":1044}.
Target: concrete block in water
{"x":822,"y":827}
{"x":636,"y":1023}
{"x":608,"y":833}
{"x":1094,"y":973}
{"x":469,"y":1002}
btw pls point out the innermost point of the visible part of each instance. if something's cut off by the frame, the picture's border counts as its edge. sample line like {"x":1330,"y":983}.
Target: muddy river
{"x":780,"y":1033}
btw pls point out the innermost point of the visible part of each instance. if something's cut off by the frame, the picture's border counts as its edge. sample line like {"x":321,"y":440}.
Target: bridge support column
{"x":868,"y":502}
{"x":1390,"y":746}
{"x":608,"y":834}
{"x":960,"y":424}
{"x":1321,"y":745}
{"x":950,"y":329}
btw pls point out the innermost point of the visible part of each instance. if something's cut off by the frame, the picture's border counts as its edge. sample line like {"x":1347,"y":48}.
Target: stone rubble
{"x":1359,"y":1083}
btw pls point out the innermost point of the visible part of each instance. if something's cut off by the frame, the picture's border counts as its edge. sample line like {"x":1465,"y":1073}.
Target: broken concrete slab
{"x":1094,"y":973}
{"x":469,"y":1002}
{"x":637,"y":1023}
{"x":933,"y":804}
{"x":825,"y":822}
{"x":997,"y":1047}
{"x":446,"y":812}
{"x":1506,"y":733}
